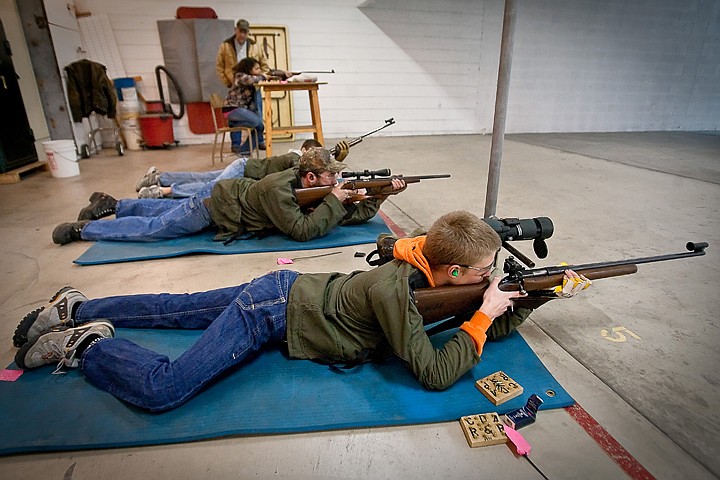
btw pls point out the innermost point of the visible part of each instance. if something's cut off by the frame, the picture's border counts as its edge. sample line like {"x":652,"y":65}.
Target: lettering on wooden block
{"x":499,"y":388}
{"x":483,"y":429}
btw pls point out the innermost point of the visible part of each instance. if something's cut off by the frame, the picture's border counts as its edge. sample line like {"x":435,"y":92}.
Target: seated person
{"x":236,"y":207}
{"x":241,"y":104}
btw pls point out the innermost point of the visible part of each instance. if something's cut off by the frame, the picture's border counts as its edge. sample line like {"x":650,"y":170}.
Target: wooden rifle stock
{"x":553,"y":280}
{"x":308,"y":197}
{"x":440,"y":303}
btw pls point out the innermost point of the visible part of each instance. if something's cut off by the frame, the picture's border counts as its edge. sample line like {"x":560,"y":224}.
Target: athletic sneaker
{"x":58,"y":312}
{"x":151,"y":177}
{"x":63,"y":345}
{"x":153,"y":191}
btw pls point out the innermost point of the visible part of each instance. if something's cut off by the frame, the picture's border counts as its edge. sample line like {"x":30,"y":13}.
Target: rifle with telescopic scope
{"x":311,"y":196}
{"x":439,"y":303}
{"x":454,"y":303}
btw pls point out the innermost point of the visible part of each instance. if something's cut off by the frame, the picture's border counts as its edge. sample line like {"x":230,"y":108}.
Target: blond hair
{"x":460,"y":238}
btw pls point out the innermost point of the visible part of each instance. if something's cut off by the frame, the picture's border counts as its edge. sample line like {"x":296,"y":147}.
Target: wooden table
{"x":312,"y":88}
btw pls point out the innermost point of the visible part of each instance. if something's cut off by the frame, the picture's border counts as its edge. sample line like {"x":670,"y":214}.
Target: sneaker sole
{"x":20,"y":336}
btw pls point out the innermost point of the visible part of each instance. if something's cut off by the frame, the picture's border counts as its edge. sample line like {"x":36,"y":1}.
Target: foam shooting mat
{"x":115,"y":252}
{"x":270,"y":394}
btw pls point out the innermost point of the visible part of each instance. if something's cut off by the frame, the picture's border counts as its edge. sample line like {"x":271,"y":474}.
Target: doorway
{"x":17,"y":142}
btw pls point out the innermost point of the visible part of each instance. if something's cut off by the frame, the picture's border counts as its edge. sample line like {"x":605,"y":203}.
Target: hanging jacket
{"x":90,"y":90}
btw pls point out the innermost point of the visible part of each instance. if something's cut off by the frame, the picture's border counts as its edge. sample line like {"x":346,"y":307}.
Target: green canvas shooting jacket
{"x":258,"y":168}
{"x":241,"y":205}
{"x":334,"y":316}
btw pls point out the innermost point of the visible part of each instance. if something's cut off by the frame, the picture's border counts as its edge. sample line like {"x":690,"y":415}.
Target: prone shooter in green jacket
{"x":156,"y":184}
{"x":332,"y":317}
{"x":235,"y":207}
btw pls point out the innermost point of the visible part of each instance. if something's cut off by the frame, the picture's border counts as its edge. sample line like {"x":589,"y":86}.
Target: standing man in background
{"x":234,"y":49}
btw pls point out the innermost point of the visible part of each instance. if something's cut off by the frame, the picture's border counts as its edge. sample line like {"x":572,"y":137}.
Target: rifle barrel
{"x":356,"y":140}
{"x":630,"y":261}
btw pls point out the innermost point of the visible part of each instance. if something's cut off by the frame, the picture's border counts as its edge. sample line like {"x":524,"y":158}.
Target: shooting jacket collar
{"x":411,"y":250}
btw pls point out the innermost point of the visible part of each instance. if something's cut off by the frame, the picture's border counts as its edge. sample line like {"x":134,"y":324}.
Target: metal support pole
{"x":501,"y":100}
{"x":47,"y":71}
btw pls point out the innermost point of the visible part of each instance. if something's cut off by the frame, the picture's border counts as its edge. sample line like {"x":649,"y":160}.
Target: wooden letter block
{"x":483,"y":429}
{"x":499,"y":388}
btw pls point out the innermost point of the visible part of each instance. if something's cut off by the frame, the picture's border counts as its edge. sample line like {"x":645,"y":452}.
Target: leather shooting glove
{"x":572,"y":284}
{"x":342,"y":148}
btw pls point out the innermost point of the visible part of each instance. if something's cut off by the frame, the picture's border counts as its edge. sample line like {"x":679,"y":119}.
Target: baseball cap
{"x":243,"y":24}
{"x":318,"y":160}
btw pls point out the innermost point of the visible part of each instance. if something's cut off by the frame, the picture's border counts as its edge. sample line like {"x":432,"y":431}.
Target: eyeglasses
{"x":327,"y":174}
{"x":482,"y":270}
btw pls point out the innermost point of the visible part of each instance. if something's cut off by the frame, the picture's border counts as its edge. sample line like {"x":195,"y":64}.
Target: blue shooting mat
{"x":270,"y":394}
{"x":115,"y":252}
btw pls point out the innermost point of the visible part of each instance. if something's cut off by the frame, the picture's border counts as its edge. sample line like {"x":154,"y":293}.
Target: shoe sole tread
{"x":108,"y":331}
{"x":21,"y":331}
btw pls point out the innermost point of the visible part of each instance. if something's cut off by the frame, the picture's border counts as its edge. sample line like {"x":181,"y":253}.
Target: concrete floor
{"x":610,"y":197}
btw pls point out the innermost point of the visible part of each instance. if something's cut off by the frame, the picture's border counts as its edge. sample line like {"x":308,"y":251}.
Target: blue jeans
{"x":245,"y":118}
{"x":152,"y":219}
{"x":187,"y":184}
{"x":237,"y":322}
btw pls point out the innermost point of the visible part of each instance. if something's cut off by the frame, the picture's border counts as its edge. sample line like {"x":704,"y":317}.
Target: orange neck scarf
{"x":411,"y":250}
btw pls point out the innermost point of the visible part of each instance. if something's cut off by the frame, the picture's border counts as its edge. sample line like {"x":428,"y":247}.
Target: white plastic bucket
{"x":61,"y":158}
{"x":129,"y":107}
{"x":131,"y":129}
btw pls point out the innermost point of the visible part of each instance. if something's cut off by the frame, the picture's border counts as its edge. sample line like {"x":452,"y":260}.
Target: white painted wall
{"x":578,"y":65}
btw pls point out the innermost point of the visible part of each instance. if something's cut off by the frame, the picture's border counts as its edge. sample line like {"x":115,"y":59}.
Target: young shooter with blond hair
{"x":331,"y":317}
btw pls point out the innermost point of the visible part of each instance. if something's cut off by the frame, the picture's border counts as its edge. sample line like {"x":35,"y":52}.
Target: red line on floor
{"x":608,"y":443}
{"x":392,"y":225}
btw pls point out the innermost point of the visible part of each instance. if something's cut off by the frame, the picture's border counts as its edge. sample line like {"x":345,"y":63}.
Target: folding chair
{"x":222,"y":127}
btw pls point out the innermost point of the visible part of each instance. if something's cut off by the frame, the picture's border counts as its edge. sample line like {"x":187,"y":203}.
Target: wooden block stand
{"x":14,"y":176}
{"x":483,"y":430}
{"x":499,"y":388}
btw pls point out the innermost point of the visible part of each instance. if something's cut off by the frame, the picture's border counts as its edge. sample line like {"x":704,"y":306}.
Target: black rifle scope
{"x":385,"y":172}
